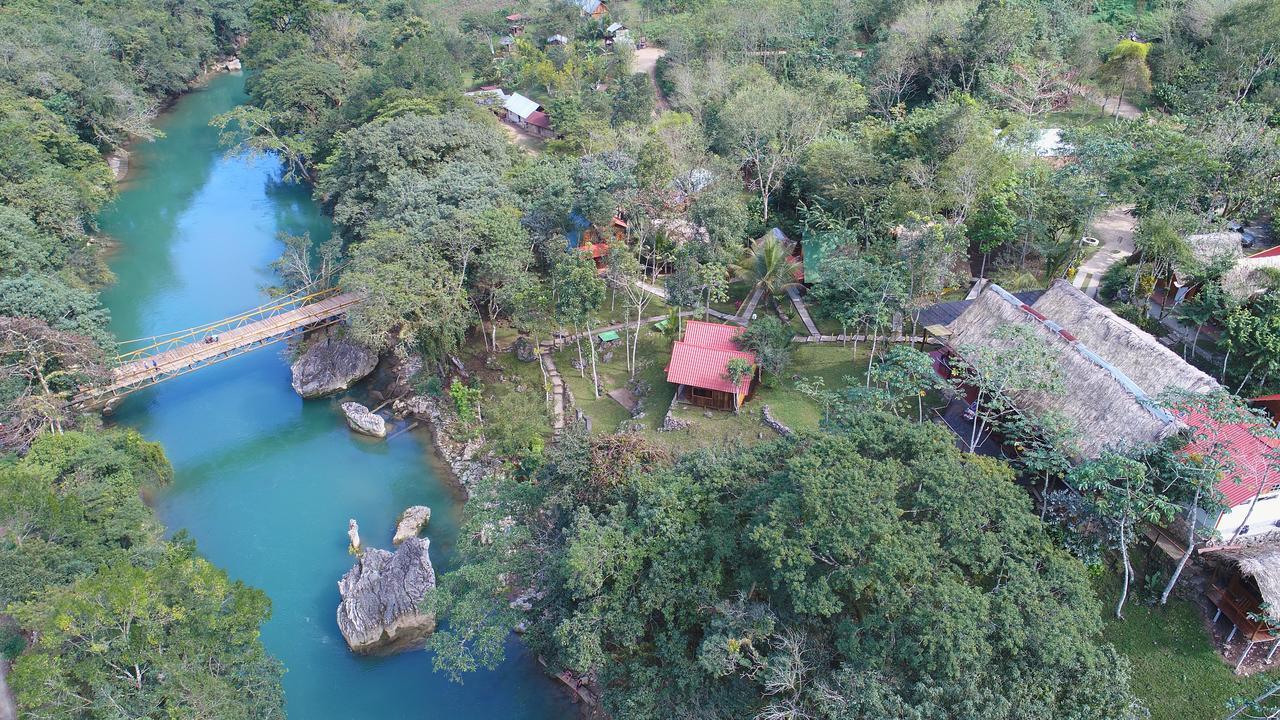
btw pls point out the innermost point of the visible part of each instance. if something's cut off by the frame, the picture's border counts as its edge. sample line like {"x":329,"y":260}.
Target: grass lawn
{"x":1177,"y":672}
{"x":830,"y":362}
{"x":1081,"y":112}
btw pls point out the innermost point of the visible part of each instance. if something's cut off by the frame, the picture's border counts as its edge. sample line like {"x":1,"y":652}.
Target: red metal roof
{"x":713,"y":336}
{"x":1252,"y":456}
{"x":540,"y":119}
{"x":704,"y":367}
{"x":1270,"y":252}
{"x":597,"y":250}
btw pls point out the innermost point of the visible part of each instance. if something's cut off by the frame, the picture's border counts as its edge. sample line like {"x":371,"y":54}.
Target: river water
{"x":264,"y":481}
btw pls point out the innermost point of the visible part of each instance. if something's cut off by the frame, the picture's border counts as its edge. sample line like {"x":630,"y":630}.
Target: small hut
{"x":1244,"y":589}
{"x":700,"y":363}
{"x":1206,"y":248}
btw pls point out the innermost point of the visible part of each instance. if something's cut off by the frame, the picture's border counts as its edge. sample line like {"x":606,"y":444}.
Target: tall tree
{"x":768,"y":128}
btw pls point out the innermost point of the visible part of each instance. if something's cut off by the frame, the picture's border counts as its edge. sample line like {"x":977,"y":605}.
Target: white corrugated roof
{"x":520,"y":106}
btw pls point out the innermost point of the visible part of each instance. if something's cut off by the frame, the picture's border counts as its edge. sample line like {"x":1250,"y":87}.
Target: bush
{"x":12,"y":643}
{"x":1117,"y":282}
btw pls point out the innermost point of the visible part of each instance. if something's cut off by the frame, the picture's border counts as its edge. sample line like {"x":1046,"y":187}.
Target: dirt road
{"x":646,"y":61}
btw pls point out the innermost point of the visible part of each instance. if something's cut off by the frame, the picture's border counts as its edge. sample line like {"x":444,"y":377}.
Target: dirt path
{"x":1114,"y":230}
{"x":525,"y":141}
{"x":646,"y":61}
{"x":1128,"y":110}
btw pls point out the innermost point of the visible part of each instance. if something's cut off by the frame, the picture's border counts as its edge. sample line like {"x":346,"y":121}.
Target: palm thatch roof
{"x":1208,"y":247}
{"x":1249,"y":276}
{"x":1104,"y":404}
{"x":1135,"y":352}
{"x":1262,"y":563}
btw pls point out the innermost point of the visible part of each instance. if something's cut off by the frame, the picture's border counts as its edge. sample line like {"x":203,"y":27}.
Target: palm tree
{"x":770,"y":267}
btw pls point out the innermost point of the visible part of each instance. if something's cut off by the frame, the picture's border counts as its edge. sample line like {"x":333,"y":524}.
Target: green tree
{"x":737,"y":370}
{"x":1123,"y":493}
{"x":770,"y":267}
{"x":765,"y":581}
{"x":1016,"y":361}
{"x":176,"y":637}
{"x":1126,"y":70}
{"x":579,"y":295}
{"x":411,"y":294}
{"x":770,"y":127}
{"x":771,"y":341}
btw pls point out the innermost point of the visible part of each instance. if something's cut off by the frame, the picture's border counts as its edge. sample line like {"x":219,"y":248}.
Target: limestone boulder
{"x":363,"y":421}
{"x":379,"y":613}
{"x":331,"y":364}
{"x":411,"y":522}
{"x":525,"y":351}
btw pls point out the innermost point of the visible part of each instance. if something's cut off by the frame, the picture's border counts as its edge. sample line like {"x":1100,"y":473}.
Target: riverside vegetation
{"x":862,"y":569}
{"x":121,"y":621}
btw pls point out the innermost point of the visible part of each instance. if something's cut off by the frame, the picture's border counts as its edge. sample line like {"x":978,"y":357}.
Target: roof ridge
{"x":1116,"y":373}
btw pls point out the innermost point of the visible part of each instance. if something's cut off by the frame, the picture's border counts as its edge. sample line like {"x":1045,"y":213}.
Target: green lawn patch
{"x":707,"y":428}
{"x":1177,"y":672}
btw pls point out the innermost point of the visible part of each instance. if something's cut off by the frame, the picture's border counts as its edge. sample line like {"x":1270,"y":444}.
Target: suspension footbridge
{"x":148,"y":361}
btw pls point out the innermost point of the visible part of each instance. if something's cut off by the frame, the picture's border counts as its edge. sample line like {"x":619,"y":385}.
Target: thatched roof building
{"x":1112,"y":370}
{"x":1261,"y":563}
{"x":1250,"y":275}
{"x":1209,"y":247}
{"x":1135,"y":352}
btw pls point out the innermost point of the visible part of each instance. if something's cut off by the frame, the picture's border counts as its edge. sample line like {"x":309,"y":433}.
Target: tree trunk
{"x":1262,"y":483}
{"x":582,"y":365}
{"x":1128,"y":571}
{"x":595,"y":377}
{"x":871,"y":358}
{"x":1222,"y":376}
{"x":1186,"y":555}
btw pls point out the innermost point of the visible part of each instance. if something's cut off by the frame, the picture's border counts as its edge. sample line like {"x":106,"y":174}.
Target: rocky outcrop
{"x":330,"y":364}
{"x":118,"y":161}
{"x":379,"y":613}
{"x":353,"y":534}
{"x":525,"y":351}
{"x":773,"y":423}
{"x":466,"y":459}
{"x":363,"y":421}
{"x":411,"y":522}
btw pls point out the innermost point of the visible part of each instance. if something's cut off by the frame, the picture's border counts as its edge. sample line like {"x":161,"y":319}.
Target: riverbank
{"x":118,"y":160}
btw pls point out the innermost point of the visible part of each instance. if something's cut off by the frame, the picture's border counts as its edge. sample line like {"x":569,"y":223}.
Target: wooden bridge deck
{"x":151,"y":369}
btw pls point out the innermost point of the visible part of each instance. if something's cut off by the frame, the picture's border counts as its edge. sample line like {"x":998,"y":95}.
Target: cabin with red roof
{"x":599,"y":253}
{"x":700,"y":363}
{"x":615,"y":232}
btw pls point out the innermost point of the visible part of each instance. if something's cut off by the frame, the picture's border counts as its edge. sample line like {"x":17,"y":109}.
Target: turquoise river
{"x":265,"y":482}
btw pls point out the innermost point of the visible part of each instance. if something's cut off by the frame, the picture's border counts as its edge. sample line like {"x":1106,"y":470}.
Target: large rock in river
{"x":330,"y":364}
{"x":379,"y":612}
{"x":411,"y":522}
{"x":363,"y":421}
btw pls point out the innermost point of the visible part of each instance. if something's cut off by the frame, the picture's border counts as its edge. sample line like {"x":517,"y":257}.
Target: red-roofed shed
{"x":700,"y":362}
{"x":539,"y":119}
